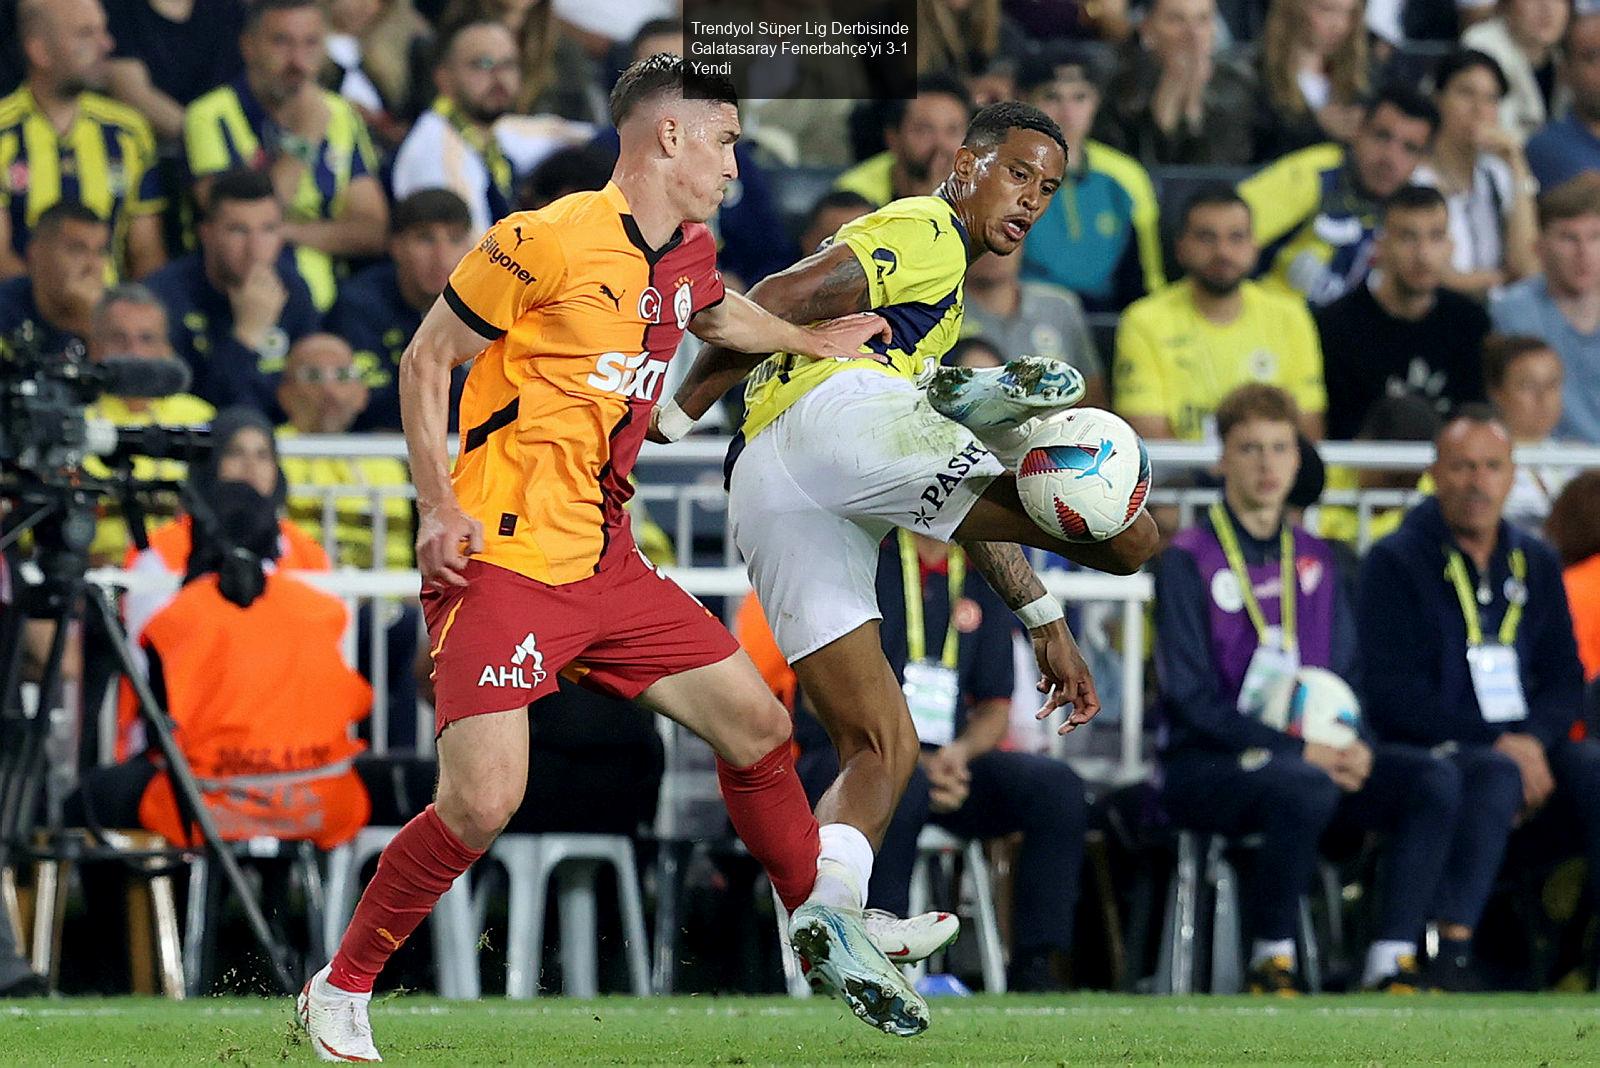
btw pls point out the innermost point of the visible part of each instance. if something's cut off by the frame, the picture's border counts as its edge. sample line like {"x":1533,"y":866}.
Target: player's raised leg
{"x":483,"y":771}
{"x":998,"y":516}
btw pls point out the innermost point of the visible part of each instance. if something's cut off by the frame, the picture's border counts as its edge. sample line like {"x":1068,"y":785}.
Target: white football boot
{"x":839,"y":958}
{"x":913,"y":939}
{"x":995,"y":398}
{"x":336,"y":1021}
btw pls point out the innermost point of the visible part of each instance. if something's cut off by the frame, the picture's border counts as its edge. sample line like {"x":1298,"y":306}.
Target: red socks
{"x":772,"y":816}
{"x":414,"y":871}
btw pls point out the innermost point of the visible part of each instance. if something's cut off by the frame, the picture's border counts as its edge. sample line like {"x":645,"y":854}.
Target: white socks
{"x":1383,"y":960}
{"x":326,"y":988}
{"x":844,"y":868}
{"x":1265,"y":949}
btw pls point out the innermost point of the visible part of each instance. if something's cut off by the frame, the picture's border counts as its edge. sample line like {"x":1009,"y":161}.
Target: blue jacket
{"x":1413,"y":638}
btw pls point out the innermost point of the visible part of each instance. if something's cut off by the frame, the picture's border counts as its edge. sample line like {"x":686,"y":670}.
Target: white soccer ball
{"x":1317,"y":706}
{"x":1084,"y":475}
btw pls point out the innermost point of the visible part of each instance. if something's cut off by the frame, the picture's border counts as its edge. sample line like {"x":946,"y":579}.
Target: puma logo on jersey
{"x":394,"y":943}
{"x":520,"y":239}
{"x":937,"y":233}
{"x":629,"y":376}
{"x":616,"y":301}
{"x":526,"y":670}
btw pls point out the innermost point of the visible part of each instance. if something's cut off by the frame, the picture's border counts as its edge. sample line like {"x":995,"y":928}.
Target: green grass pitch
{"x":1078,"y":1029}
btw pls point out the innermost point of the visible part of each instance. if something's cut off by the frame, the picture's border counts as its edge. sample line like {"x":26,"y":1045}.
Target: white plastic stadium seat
{"x":455,"y":938}
{"x":935,"y":843}
{"x":530,"y":860}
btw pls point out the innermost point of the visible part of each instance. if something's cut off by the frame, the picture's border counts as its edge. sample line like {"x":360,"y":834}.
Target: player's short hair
{"x":1211,"y":195}
{"x":1256,"y":400}
{"x":990,"y":127}
{"x":938,"y":83}
{"x":57,"y":215}
{"x":136,"y":293}
{"x":1414,"y":198}
{"x":1465,"y":59}
{"x":1500,"y":351}
{"x":426,"y":207}
{"x":1573,"y":525}
{"x":257,"y":10}
{"x":666,"y":74}
{"x":1407,"y":101}
{"x":241,"y":185}
{"x":1572,"y":199}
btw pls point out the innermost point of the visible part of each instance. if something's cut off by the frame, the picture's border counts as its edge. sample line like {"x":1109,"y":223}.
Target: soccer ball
{"x":1315,"y":705}
{"x":1084,"y":475}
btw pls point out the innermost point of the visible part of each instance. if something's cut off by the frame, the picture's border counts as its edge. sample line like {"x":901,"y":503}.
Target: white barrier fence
{"x":1131,"y":593}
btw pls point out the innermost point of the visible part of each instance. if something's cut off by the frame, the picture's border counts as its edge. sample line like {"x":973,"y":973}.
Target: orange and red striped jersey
{"x":582,"y":317}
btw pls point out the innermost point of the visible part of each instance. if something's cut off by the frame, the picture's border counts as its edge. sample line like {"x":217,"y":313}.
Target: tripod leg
{"x":188,"y":791}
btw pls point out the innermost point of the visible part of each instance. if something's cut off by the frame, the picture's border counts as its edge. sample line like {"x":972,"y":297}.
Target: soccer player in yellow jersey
{"x":835,"y":455}
{"x":570,"y":314}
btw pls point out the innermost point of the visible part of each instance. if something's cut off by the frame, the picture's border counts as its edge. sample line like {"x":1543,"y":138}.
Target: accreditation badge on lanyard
{"x":1277,"y":655}
{"x":932,"y":687}
{"x":1495,"y":669}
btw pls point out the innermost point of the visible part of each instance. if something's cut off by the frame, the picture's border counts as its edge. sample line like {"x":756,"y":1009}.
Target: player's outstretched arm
{"x":826,"y":285}
{"x":445,"y":534}
{"x":741,"y":324}
{"x":1064,"y":677}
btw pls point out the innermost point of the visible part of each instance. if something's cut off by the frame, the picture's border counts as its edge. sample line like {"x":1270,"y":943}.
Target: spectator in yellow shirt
{"x":1183,"y":348}
{"x":322,"y":391}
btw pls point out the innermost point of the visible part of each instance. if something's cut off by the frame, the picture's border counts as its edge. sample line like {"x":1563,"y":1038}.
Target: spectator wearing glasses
{"x":323,"y":391}
{"x":382,"y":306}
{"x":453,"y":144}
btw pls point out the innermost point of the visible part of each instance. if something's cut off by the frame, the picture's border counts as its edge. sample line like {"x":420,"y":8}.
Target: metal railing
{"x":684,"y":506}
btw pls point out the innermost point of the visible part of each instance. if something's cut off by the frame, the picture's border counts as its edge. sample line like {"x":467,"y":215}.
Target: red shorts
{"x":500,"y":641}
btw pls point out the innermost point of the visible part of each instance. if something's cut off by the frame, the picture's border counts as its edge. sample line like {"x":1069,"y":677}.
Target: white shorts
{"x":814,"y":493}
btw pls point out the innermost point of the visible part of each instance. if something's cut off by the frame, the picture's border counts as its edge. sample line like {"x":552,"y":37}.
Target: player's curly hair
{"x":666,"y":73}
{"x":990,"y":126}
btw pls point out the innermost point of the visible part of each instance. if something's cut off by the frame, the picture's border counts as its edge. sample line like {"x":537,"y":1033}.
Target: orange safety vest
{"x":298,"y":551}
{"x":169,"y":550}
{"x":263,"y":703}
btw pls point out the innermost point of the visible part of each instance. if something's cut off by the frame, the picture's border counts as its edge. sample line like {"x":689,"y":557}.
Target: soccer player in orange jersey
{"x":528,"y":563}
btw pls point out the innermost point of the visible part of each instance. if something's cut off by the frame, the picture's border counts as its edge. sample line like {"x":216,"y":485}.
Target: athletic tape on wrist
{"x":673,"y":421}
{"x":1036,"y":614}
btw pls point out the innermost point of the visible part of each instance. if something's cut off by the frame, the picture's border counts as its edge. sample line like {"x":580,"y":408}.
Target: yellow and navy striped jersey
{"x":914,"y":252}
{"x":1315,"y":227}
{"x":229,"y":127}
{"x":106,"y":160}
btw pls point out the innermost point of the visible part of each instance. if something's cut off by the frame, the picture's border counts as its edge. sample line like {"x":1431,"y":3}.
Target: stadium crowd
{"x":1283,"y":222}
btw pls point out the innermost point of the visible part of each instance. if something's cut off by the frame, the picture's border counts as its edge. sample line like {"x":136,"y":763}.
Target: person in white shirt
{"x":1484,"y":177}
{"x":466,"y":142}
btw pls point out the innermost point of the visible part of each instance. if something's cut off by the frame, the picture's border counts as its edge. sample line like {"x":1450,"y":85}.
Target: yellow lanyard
{"x":1456,"y":569}
{"x":916,"y":621}
{"x":1286,"y":595}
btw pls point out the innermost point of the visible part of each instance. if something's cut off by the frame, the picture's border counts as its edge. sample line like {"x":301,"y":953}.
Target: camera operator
{"x":67,"y":258}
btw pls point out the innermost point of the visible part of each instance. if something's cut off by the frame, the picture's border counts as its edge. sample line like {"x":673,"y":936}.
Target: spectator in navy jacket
{"x":1467,"y":648}
{"x":1223,"y":625}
